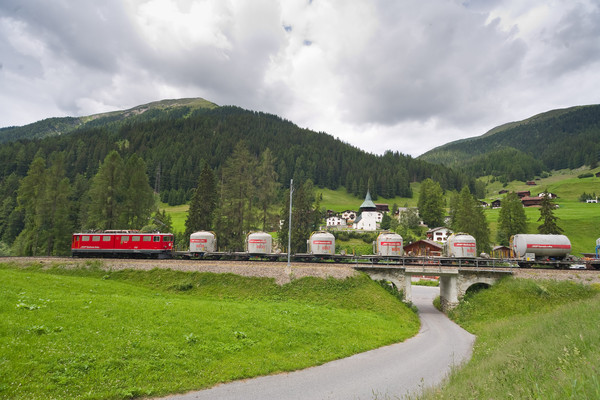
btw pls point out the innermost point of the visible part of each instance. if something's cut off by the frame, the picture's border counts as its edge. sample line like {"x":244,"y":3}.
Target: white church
{"x":369,"y":217}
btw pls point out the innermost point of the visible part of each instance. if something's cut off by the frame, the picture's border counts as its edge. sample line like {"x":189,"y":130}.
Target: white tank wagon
{"x":389,"y":244}
{"x":460,"y":245}
{"x":259,"y":243}
{"x":555,"y":246}
{"x":203,"y":242}
{"x":321,"y":243}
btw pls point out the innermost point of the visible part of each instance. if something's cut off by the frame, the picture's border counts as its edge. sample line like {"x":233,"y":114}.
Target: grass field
{"x":92,"y":334}
{"x":535,"y":340}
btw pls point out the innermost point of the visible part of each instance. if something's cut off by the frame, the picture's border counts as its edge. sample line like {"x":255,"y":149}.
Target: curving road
{"x":388,"y":372}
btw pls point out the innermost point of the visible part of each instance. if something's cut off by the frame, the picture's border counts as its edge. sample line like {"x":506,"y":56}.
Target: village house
{"x":349,"y":215}
{"x":336,"y":221}
{"x":423,"y":247}
{"x":497,"y":203}
{"x":501,"y":252}
{"x":531,"y":201}
{"x":439,"y":234}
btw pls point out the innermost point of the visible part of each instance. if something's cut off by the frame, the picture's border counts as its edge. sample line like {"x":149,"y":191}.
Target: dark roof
{"x":426,"y":241}
{"x":368,"y":203}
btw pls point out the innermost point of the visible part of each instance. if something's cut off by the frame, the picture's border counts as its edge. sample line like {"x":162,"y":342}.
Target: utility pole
{"x":288,"y":269}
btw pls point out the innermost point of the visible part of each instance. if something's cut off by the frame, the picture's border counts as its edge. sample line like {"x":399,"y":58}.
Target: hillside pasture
{"x":97,"y":334}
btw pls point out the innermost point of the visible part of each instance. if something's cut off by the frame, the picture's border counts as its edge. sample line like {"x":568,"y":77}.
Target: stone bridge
{"x":454,"y":281}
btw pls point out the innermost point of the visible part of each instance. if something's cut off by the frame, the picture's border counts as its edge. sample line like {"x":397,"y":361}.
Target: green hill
{"x":554,"y":140}
{"x":179,"y":108}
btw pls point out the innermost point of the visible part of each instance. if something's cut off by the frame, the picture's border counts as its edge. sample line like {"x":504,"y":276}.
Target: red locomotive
{"x":122,"y":243}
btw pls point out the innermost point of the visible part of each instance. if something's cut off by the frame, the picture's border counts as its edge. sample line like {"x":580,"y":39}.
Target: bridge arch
{"x":454,"y":282}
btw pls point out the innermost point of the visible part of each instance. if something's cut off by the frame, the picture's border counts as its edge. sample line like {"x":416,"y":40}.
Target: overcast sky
{"x":395,"y":75}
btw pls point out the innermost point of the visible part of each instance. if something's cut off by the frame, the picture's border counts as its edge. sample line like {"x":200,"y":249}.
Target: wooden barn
{"x":423,"y":247}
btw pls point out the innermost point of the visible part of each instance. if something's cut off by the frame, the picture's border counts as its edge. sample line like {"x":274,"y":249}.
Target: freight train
{"x":460,"y":248}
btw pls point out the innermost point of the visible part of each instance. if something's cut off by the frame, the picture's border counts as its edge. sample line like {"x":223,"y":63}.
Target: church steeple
{"x":368,"y":204}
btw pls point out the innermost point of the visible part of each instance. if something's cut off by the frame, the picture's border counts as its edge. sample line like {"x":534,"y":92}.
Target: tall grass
{"x":535,"y":340}
{"x":92,"y":334}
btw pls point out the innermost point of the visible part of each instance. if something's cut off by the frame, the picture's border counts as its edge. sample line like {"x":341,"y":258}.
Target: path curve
{"x":388,"y":372}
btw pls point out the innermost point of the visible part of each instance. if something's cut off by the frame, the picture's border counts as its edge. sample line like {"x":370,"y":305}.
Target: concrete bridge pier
{"x":449,"y":291}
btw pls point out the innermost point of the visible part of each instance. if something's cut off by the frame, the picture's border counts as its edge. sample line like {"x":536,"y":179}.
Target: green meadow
{"x":535,"y":340}
{"x":88,"y":333}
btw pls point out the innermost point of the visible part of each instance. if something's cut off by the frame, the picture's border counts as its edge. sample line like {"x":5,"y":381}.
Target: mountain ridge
{"x":561,"y":138}
{"x":55,"y":126}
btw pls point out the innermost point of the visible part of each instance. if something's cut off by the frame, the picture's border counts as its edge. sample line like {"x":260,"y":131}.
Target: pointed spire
{"x":368,"y":203}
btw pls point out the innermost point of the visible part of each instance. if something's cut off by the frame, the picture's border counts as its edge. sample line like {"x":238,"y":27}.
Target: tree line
{"x":176,"y":148}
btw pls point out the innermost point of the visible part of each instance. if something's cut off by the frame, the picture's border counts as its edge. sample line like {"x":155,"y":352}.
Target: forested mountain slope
{"x":558,"y":139}
{"x":164,"y":109}
{"x":175,"y":142}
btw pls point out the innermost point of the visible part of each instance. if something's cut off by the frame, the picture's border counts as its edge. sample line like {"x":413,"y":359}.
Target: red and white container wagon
{"x":540,"y":246}
{"x":321,"y":243}
{"x":461,"y":245}
{"x":122,"y":243}
{"x":389,"y":244}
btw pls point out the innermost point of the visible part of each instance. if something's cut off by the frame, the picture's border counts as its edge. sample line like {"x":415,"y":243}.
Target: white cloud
{"x":405,"y":76}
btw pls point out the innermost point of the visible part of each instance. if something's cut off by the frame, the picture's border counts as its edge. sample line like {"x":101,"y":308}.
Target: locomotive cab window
{"x":156,"y":238}
{"x":168,"y":238}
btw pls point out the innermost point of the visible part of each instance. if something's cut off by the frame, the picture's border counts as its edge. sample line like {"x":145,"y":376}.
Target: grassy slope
{"x":535,"y":340}
{"x":580,"y":221}
{"x":338,"y":200}
{"x":94,"y":334}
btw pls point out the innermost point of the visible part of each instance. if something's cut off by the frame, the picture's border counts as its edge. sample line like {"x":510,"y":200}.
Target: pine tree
{"x":468,"y":217}
{"x":138,"y":197}
{"x":203,"y":203}
{"x":431,"y":203}
{"x":237,"y":190}
{"x":511,"y":220}
{"x":267,"y":187}
{"x":549,"y":224}
{"x":28,"y":242}
{"x":107,"y":193}
{"x":305,"y":217}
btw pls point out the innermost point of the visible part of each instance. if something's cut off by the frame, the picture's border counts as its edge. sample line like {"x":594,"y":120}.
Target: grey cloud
{"x":426,"y":63}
